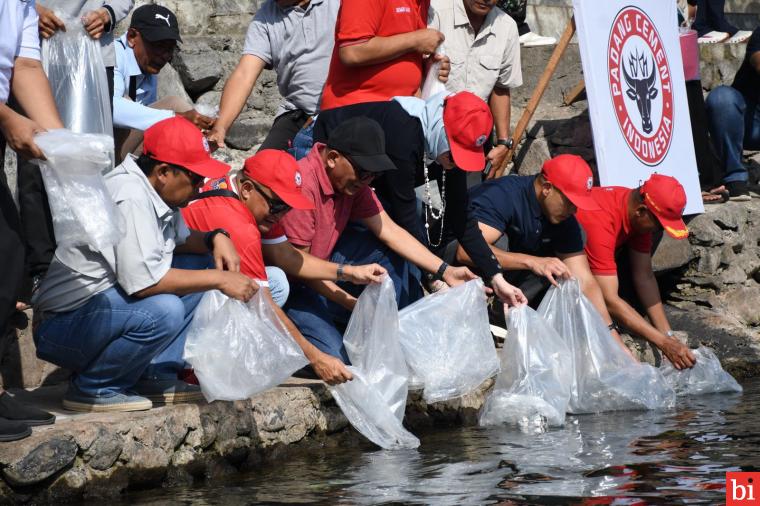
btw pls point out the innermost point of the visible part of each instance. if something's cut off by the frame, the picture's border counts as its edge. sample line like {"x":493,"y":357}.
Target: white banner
{"x":636,"y":91}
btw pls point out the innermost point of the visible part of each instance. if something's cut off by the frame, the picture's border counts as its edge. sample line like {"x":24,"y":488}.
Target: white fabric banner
{"x":636,"y":91}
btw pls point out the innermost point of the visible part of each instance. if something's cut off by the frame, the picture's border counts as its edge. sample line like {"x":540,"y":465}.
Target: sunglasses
{"x":195,"y":179}
{"x":276,"y":206}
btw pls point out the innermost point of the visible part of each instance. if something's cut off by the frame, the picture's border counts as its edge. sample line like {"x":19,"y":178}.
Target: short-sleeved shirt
{"x":320,"y":228}
{"x":359,"y":21}
{"x":747,"y":79}
{"x":479,"y":61}
{"x":297,"y":43}
{"x":143,"y":256}
{"x":608,"y":229}
{"x":234,"y":216}
{"x":19,"y":37}
{"x":509,"y":205}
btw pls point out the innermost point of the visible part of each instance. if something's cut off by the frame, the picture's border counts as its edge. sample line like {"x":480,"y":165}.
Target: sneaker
{"x":738,"y":191}
{"x":74,"y":400}
{"x":739,"y":37}
{"x":11,"y":430}
{"x":13,"y":410}
{"x":531,"y":39}
{"x":713,"y":38}
{"x":168,"y":391}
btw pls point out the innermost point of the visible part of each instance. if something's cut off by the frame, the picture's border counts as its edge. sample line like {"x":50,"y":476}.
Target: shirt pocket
{"x":490,"y":64}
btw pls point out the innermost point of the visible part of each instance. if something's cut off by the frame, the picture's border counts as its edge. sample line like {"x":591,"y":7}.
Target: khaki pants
{"x":131,"y":141}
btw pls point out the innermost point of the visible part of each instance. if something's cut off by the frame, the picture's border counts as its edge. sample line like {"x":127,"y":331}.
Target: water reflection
{"x":678,"y":456}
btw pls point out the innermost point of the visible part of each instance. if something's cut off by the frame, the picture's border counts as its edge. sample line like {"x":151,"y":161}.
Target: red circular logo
{"x":641,"y":85}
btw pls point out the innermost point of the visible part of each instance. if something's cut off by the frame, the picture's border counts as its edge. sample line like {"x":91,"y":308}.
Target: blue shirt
{"x":509,"y":204}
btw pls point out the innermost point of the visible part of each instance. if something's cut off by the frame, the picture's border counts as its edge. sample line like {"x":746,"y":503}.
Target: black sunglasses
{"x":276,"y":206}
{"x":195,"y":179}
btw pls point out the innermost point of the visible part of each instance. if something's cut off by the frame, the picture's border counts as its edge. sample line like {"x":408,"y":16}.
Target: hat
{"x":468,"y":123}
{"x":666,"y":199}
{"x":362,"y":141}
{"x":155,"y":22}
{"x":177,"y":141}
{"x":278,"y":171}
{"x":572,"y":176}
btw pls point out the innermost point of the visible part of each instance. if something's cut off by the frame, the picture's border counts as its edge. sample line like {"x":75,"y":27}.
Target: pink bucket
{"x":690,"y":54}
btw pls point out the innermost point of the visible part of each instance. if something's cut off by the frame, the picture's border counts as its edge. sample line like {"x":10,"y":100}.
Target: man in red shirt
{"x":249,"y":206}
{"x":379,"y":48}
{"x":629,"y":217}
{"x":336,"y":176}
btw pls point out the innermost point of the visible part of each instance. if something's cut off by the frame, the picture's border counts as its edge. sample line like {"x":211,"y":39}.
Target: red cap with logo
{"x":179,"y":142}
{"x":573,"y":177}
{"x":278,"y":171}
{"x":468,"y":123}
{"x":666,"y":199}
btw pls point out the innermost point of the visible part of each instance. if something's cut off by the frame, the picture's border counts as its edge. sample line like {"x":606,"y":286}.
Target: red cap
{"x":666,"y":199}
{"x":178,"y":142}
{"x":468,"y":123}
{"x":278,"y":171}
{"x":572,"y":176}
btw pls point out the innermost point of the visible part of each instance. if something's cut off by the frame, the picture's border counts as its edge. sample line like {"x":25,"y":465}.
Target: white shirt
{"x":18,"y":37}
{"x":137,"y":114}
{"x":479,"y":61}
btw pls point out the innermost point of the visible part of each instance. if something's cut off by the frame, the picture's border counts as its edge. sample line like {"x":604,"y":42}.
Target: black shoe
{"x":11,"y":430}
{"x":738,"y":191}
{"x":13,"y":411}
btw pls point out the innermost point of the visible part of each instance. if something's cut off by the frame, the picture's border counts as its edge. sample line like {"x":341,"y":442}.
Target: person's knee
{"x":725,"y":100}
{"x":278,"y":285}
{"x":166,"y":316}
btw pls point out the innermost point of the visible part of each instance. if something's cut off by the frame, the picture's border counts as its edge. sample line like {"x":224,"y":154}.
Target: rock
{"x":574,"y":132}
{"x":41,"y":463}
{"x":743,"y":303}
{"x":671,"y":254}
{"x":104,"y":451}
{"x":733,"y":275}
{"x":708,"y":260}
{"x":247,"y":131}
{"x":704,"y":231}
{"x":727,"y":255}
{"x":729,"y":216}
{"x":198,"y":67}
{"x":170,"y":84}
{"x":531,"y":156}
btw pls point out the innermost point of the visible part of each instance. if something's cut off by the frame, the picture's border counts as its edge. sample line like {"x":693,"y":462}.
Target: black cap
{"x":155,"y":22}
{"x":362,"y":141}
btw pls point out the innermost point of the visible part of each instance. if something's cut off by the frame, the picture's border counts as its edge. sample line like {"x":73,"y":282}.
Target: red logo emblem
{"x":742,"y":489}
{"x":641,"y":85}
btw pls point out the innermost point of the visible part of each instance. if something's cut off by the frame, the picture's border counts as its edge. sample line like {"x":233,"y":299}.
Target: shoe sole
{"x":7,"y":438}
{"x":176,"y":398}
{"x":741,"y":198}
{"x":85,"y":407}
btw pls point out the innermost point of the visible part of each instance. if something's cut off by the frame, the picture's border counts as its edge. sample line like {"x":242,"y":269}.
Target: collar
{"x":535,"y":206}
{"x":460,"y":14}
{"x":133,"y":68}
{"x":319,"y":169}
{"x":305,"y":9}
{"x":163,"y":211}
{"x":461,"y":18}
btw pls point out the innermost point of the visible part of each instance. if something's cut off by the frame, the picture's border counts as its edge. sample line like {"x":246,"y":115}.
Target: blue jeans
{"x":114,"y":340}
{"x":303,"y":141}
{"x":734,"y":126}
{"x":279,"y":286}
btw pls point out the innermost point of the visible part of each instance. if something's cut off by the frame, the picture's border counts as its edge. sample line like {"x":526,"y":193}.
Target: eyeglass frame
{"x":275,"y":204}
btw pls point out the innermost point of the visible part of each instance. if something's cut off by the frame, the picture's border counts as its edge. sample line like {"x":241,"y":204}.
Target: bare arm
{"x":301,"y":264}
{"x":383,"y":49}
{"x":329,"y":289}
{"x":754,"y":60}
{"x":31,"y":89}
{"x":647,"y":289}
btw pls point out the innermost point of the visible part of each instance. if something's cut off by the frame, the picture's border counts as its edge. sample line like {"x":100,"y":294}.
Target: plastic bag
{"x":447,"y":341}
{"x":375,"y":400}
{"x":706,"y":377}
{"x":432,"y":85}
{"x":238,"y":350}
{"x":212,"y":111}
{"x":533,"y":387}
{"x":606,"y":377}
{"x":81,"y":206}
{"x":74,"y":65}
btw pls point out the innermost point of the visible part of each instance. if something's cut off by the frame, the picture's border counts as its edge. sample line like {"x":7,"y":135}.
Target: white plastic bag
{"x":706,"y":377}
{"x":238,"y":350}
{"x":447,"y":341}
{"x":533,"y":387}
{"x":375,"y":400}
{"x":74,"y":65}
{"x":606,"y":377}
{"x":81,"y":206}
{"x":432,"y":85}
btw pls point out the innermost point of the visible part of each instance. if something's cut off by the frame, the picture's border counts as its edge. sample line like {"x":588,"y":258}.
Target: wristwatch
{"x":438,"y":276}
{"x":509,"y":143}
{"x":208,"y":239}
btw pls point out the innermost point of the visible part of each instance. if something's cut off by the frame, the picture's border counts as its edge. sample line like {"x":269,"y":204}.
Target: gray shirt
{"x":142,"y":257}
{"x":78,"y":8}
{"x":297,"y":43}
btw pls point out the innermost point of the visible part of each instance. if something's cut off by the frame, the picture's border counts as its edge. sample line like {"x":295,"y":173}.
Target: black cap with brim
{"x":155,"y":34}
{"x":155,"y":23}
{"x":362,"y":141}
{"x":370,"y":163}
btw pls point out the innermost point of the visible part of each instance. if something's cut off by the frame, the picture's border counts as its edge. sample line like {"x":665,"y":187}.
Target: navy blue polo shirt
{"x":509,"y":204}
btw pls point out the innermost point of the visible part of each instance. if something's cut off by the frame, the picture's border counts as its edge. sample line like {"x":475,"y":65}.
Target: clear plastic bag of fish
{"x":375,"y":400}
{"x":432,"y":84}
{"x":239,"y":349}
{"x":447,"y":341}
{"x":84,"y":214}
{"x":74,"y":65}
{"x":606,"y":376}
{"x":706,"y":377}
{"x":533,"y":387}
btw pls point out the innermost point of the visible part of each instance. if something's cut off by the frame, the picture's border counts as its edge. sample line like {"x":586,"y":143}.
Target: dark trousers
{"x":710,"y":17}
{"x":708,"y":164}
{"x":517,"y":10}
{"x":11,"y":249}
{"x":284,"y":129}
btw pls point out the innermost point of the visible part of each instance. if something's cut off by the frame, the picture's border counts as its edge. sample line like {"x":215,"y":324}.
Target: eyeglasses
{"x":195,"y":179}
{"x":276,"y":206}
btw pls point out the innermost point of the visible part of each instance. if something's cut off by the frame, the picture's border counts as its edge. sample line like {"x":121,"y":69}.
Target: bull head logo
{"x":641,"y":87}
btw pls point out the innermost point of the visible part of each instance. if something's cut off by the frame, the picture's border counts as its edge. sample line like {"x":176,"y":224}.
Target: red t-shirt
{"x":608,"y":229}
{"x":321,"y":227}
{"x":233,"y":216}
{"x":359,"y":21}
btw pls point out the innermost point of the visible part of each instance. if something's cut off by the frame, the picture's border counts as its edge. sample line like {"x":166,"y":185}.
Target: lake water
{"x":673,"y":457}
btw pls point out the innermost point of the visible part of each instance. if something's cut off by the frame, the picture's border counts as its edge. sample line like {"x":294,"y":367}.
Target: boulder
{"x":531,"y":156}
{"x":733,"y":275}
{"x":704,"y":232}
{"x":247,"y":131}
{"x":198,"y":67}
{"x":742,"y":302}
{"x":671,"y":254}
{"x":41,"y":463}
{"x":170,"y":84}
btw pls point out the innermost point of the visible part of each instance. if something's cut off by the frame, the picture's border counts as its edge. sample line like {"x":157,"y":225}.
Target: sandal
{"x":715,"y":196}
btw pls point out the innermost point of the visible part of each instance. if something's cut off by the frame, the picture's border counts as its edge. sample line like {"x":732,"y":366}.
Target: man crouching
{"x":118,"y":318}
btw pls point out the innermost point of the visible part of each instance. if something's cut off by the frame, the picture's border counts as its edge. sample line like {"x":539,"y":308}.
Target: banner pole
{"x":535,"y":99}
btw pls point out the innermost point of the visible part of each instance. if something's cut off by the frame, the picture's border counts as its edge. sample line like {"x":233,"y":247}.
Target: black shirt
{"x":405,"y":146}
{"x":747,"y":80}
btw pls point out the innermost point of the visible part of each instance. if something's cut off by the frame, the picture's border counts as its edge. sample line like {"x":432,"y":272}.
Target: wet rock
{"x":105,"y":451}
{"x":704,"y":231}
{"x":198,"y":67}
{"x":41,"y":463}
